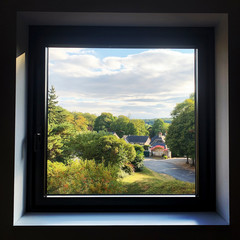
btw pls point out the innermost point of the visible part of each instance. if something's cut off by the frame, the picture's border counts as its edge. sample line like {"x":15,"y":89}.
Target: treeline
{"x":73,"y":135}
{"x":151,"y":121}
{"x":64,"y":126}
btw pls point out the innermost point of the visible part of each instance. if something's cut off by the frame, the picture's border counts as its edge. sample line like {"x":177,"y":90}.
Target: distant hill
{"x":151,"y":121}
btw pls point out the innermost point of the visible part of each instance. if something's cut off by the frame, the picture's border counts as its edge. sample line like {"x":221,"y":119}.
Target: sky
{"x":138,"y":83}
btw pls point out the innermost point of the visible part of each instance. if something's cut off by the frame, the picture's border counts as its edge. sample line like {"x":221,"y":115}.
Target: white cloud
{"x":146,"y":84}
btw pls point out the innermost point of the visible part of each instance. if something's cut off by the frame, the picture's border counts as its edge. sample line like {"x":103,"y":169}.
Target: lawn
{"x":150,"y":182}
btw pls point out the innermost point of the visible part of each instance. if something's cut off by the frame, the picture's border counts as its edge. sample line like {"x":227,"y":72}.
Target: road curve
{"x":163,"y":166}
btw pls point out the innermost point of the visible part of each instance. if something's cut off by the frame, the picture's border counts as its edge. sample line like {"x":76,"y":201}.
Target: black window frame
{"x":200,"y":38}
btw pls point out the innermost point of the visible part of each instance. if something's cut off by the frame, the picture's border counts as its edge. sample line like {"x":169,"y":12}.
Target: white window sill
{"x":120,"y":219}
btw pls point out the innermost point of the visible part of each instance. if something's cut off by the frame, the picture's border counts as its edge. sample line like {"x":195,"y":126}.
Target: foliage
{"x":101,"y":147}
{"x":103,"y":122}
{"x":90,"y":119}
{"x":138,"y":161}
{"x":79,"y":122}
{"x":158,"y":126}
{"x":181,"y":133}
{"x":138,"y":148}
{"x":125,"y":126}
{"x":85,"y":144}
{"x":139,"y":127}
{"x":128,"y":168}
{"x":82,"y":177}
{"x":52,"y":105}
{"x":122,"y":126}
{"x":146,"y":147}
{"x":59,"y":140}
{"x":151,"y":121}
{"x":60,"y":130}
{"x":114,"y":151}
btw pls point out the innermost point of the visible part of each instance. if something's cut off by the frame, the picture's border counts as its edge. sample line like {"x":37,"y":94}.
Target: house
{"x":141,"y":140}
{"x":158,"y":140}
{"x":159,"y":147}
{"x":158,"y":151}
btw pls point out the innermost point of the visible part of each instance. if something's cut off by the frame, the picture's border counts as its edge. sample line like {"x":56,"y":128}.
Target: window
{"x":42,"y":38}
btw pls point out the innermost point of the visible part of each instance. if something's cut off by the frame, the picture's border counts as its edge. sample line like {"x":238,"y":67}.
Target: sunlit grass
{"x":150,"y":182}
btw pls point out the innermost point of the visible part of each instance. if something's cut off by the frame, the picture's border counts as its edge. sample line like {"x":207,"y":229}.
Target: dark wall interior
{"x":8,"y":10}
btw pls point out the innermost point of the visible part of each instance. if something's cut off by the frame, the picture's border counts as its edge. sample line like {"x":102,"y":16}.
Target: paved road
{"x":163,"y":166}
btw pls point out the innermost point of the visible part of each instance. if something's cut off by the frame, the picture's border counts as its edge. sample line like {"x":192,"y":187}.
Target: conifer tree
{"x":52,"y":105}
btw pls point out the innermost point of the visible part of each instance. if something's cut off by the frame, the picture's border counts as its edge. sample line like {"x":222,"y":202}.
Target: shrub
{"x":138,"y":148}
{"x":114,"y":151}
{"x":146,"y":147}
{"x":128,"y":168}
{"x":104,"y":147}
{"x":165,"y":157}
{"x":82,"y":177}
{"x":56,"y":174}
{"x":138,"y":161}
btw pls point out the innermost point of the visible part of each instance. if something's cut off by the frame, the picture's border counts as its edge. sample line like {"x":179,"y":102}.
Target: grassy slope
{"x":150,"y":182}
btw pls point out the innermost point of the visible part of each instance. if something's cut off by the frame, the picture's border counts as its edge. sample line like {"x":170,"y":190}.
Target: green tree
{"x":121,"y":126}
{"x":60,"y":131}
{"x":158,"y":126}
{"x":59,"y":142}
{"x":79,"y":122}
{"x":84,"y":144}
{"x":103,"y":122}
{"x":140,"y":128}
{"x":181,"y":133}
{"x":52,"y":105}
{"x":125,"y":126}
{"x":90,"y":119}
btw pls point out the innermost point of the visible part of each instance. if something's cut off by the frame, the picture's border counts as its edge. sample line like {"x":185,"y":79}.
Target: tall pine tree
{"x":52,"y":105}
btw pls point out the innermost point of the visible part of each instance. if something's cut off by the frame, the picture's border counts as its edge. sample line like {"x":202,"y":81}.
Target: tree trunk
{"x":193,"y":162}
{"x":187,"y":162}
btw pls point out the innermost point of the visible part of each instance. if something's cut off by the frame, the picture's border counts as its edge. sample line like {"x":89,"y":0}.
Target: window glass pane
{"x":121,"y":121}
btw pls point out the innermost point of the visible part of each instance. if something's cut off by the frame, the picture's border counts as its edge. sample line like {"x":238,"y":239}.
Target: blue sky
{"x":139,"y":83}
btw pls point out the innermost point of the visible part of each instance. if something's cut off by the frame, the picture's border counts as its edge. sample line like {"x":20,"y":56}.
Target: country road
{"x":169,"y":168}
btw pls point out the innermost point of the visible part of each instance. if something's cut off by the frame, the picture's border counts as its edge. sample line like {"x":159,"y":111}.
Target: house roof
{"x":156,"y":138}
{"x":137,"y":139}
{"x":158,"y":144}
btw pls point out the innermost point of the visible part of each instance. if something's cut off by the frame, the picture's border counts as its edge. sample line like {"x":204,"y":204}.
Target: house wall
{"x":148,"y":141}
{"x":8,"y":9}
{"x":158,"y":152}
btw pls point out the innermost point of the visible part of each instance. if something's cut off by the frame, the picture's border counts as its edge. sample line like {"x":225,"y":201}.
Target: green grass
{"x":150,"y":182}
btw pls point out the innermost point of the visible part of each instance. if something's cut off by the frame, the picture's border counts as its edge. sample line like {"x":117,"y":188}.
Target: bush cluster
{"x":103,"y":147}
{"x":82,"y":177}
